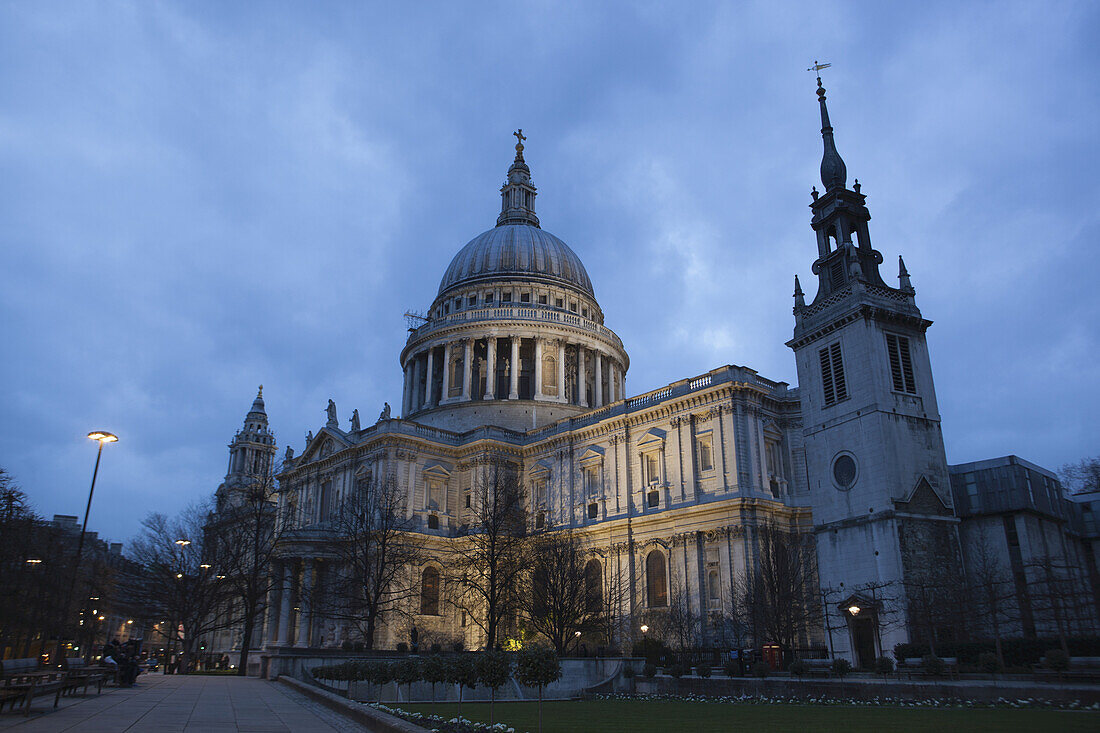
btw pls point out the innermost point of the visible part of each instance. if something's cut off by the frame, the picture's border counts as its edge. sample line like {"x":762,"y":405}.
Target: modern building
{"x":1024,"y":536}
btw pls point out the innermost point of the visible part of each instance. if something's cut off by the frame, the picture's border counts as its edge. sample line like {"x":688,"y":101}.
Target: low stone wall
{"x":578,"y":676}
{"x":373,"y":720}
{"x":864,"y":689}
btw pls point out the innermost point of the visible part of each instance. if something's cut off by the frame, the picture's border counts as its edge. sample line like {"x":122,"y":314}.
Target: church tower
{"x":251,"y":453}
{"x":879,"y":483}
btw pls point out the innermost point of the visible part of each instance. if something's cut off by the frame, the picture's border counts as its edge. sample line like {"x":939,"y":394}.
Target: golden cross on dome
{"x":519,"y":138}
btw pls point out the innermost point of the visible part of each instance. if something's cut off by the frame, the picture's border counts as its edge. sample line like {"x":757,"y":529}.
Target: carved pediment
{"x":540,"y":469}
{"x":653,"y":438}
{"x":437,"y":470}
{"x":923,"y":499}
{"x":591,"y":453}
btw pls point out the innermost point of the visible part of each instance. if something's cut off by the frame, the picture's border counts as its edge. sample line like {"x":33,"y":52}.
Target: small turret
{"x":799,"y":298}
{"x":517,"y":195}
{"x":903,"y":277}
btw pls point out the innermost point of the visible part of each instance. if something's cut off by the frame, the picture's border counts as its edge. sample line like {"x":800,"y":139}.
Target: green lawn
{"x":631,"y":716}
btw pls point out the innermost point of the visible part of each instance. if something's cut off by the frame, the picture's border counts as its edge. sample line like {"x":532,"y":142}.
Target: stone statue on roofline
{"x":331,"y":410}
{"x":385,"y":414}
{"x":355,"y":428}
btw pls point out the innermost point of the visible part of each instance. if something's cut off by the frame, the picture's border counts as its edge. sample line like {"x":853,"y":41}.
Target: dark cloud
{"x":196,"y":198}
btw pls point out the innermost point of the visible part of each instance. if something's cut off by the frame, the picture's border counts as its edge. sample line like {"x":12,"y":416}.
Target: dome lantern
{"x":517,"y":195}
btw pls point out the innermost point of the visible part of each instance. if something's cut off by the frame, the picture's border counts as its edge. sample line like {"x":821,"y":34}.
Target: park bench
{"x":21,"y":680}
{"x":818,"y":666}
{"x":82,"y":675}
{"x":915,"y":666}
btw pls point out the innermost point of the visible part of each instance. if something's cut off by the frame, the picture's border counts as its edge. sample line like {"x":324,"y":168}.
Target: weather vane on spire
{"x":816,"y":68}
{"x":519,"y":139}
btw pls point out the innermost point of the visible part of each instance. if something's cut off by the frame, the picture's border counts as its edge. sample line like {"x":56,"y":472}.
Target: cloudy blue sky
{"x":199,"y":197}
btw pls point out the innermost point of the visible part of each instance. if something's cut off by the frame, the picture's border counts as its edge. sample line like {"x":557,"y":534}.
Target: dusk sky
{"x":197,"y":198}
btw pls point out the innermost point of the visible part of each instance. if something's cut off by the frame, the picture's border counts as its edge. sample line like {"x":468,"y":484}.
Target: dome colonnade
{"x":515,"y":321}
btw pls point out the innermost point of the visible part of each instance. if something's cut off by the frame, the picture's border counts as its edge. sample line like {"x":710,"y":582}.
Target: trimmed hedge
{"x":1017,"y":652}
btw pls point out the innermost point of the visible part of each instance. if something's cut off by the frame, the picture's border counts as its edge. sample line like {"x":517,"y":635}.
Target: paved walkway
{"x":183,"y":704}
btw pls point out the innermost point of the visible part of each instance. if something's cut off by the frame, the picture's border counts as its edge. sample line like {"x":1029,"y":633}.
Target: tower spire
{"x":517,"y":195}
{"x":833,"y":172}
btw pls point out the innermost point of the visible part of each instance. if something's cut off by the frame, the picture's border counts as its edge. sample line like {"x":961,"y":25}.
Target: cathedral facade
{"x":669,"y":489}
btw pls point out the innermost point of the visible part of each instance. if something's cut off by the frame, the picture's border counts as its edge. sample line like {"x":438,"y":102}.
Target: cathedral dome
{"x":511,"y":251}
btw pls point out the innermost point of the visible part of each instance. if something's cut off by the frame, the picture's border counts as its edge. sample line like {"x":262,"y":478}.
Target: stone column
{"x":414,"y":399}
{"x":271,"y":612}
{"x":467,"y":368}
{"x":284,"y":611}
{"x":428,"y":381}
{"x":445,"y":394}
{"x":538,"y":368}
{"x":304,"y":615}
{"x":491,"y":373}
{"x":513,"y":390}
{"x":405,"y":390}
{"x":717,"y":446}
{"x":598,"y":392}
{"x":561,"y":370}
{"x":582,"y":381}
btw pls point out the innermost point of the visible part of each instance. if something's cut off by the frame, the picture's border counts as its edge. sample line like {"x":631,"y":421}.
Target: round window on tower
{"x":845,"y":471}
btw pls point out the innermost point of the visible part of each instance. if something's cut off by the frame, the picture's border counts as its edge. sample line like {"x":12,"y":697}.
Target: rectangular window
{"x":505,"y":297}
{"x":832,"y":375}
{"x":650,"y":470}
{"x":593,"y":510}
{"x":524,"y":297}
{"x":591,"y":480}
{"x":435,"y":494}
{"x":542,"y":300}
{"x":467,"y":498}
{"x":704,"y":452}
{"x":488,"y":298}
{"x":471,"y":301}
{"x":540,"y":492}
{"x":557,"y":302}
{"x":458,"y":304}
{"x":573,"y":307}
{"x":901,"y":364}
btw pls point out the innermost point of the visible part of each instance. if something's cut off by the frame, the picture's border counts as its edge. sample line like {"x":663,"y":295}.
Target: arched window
{"x":656,"y":581}
{"x":429,"y":591}
{"x":593,"y":586}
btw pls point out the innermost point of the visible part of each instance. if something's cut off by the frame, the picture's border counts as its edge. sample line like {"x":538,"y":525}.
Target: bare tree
{"x":243,"y":536}
{"x":609,"y":614}
{"x":1082,"y":477}
{"x":1058,"y":592}
{"x":992,"y":592}
{"x":369,"y":536}
{"x":779,"y":593}
{"x":486,"y":567}
{"x":681,"y":624}
{"x":180,"y":582}
{"x":558,"y":600}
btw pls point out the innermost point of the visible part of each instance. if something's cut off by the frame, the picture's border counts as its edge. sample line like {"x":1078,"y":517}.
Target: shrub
{"x":841,"y":667}
{"x":933,"y":665}
{"x":628,"y":670}
{"x":494,"y":668}
{"x":434,"y":669}
{"x":731,"y":668}
{"x":651,"y":649}
{"x":649,"y":670}
{"x":1056,"y":659}
{"x":675,"y":670}
{"x":537,"y":666}
{"x":988,"y":662}
{"x":436,"y":648}
{"x":798,"y":668}
{"x":457,"y":646}
{"x":359,"y":646}
{"x":462,"y":671}
{"x":884,"y":666}
{"x":760,"y":669}
{"x":703,"y":669}
{"x":346,"y":645}
{"x":402,"y":648}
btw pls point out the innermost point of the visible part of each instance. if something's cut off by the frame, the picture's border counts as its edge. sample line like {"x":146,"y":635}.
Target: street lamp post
{"x":101,"y":437}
